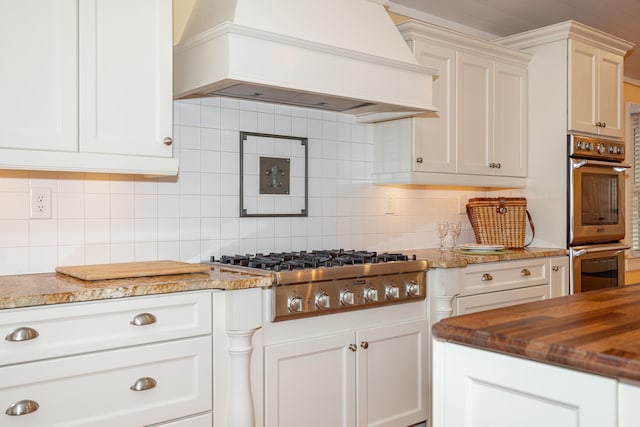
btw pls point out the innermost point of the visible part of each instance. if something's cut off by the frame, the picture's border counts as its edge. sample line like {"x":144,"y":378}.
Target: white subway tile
{"x":168,"y":229}
{"x":189,"y":114}
{"x":230,"y":119}
{"x":14,"y":260}
{"x":97,"y":231}
{"x":145,"y":251}
{"x":190,"y":251}
{"x":71,"y":205}
{"x":169,"y":250}
{"x":42,"y":233}
{"x":14,"y":233}
{"x":210,"y":139}
{"x":14,"y":205}
{"x":189,"y":229}
{"x":146,"y":230}
{"x":122,"y":230}
{"x":122,"y":252}
{"x":71,"y":232}
{"x":71,"y":255}
{"x":97,"y":254}
{"x":43,"y":259}
{"x":210,"y":116}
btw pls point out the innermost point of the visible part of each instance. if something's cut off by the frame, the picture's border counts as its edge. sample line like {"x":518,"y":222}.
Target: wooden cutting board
{"x":130,"y":269}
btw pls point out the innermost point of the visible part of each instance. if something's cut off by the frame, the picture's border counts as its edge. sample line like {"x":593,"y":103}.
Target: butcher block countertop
{"x":597,"y":331}
{"x":54,"y":288}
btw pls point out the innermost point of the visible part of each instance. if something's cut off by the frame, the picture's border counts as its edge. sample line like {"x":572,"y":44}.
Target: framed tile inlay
{"x":273,"y":175}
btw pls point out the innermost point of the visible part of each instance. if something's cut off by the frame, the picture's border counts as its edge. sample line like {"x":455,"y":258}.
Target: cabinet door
{"x":628,"y":408}
{"x":583,"y":82}
{"x":559,"y":276}
{"x":310,"y":382}
{"x":610,"y":85}
{"x":38,"y":106}
{"x":482,"y":302}
{"x":435,"y":132}
{"x":485,"y":389}
{"x":474,"y":113}
{"x":125,"y":77}
{"x":510,"y":120}
{"x":392,"y":375}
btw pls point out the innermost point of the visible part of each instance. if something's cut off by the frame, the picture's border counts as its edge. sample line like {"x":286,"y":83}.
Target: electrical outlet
{"x":389,"y":204}
{"x":40,"y":203}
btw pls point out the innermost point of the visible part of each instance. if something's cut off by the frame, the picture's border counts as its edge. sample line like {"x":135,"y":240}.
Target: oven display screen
{"x":599,"y":199}
{"x":599,"y":273}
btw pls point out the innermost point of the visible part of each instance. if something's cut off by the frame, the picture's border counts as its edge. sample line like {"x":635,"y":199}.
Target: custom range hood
{"x":339,"y":55}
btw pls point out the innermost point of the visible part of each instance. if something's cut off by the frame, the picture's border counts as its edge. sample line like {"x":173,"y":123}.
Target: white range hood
{"x":340,"y":55}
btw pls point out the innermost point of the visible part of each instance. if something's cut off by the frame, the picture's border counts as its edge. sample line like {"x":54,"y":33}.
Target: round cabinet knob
{"x":371,"y":295}
{"x":393,"y":292}
{"x":413,"y":289}
{"x":555,"y":268}
{"x":364,"y":344}
{"x":295,"y":305}
{"x":167,"y":141}
{"x":353,"y":347}
{"x":347,"y":298}
{"x":525,"y":272}
{"x":22,"y":407}
{"x":419,"y":160}
{"x":322,"y":300}
{"x":604,"y":124}
{"x":486,"y":277}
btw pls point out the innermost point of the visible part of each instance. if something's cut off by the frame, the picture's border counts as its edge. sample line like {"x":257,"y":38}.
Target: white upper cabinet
{"x":125,"y":77}
{"x":478,"y":137}
{"x":87,"y":86}
{"x":38,"y":106}
{"x":595,"y":90}
{"x":577,"y":83}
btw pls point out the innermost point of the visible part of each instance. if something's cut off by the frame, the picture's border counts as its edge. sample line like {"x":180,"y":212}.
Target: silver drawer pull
{"x":142,"y":384}
{"x":143,"y":319}
{"x":486,"y":277}
{"x":22,"y":407}
{"x":353,"y":347}
{"x":525,"y":272}
{"x":22,"y":334}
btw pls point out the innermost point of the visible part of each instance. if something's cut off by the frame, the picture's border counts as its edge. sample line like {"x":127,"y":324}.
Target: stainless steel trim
{"x":618,"y":167}
{"x":23,"y":333}
{"x":590,"y":249}
{"x":354,"y":271}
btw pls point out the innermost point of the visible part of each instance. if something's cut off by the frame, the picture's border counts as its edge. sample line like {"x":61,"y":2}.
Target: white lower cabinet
{"x":367,"y":377}
{"x":202,"y":420}
{"x":98,"y":389}
{"x":473,"y":303}
{"x":130,"y":362}
{"x":480,"y":388}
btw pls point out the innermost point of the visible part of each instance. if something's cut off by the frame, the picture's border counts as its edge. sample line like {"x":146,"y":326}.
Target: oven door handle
{"x":599,"y":248}
{"x":618,"y":167}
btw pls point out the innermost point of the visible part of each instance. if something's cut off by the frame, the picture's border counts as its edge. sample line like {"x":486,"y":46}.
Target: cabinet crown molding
{"x":418,"y":30}
{"x":567,"y":30}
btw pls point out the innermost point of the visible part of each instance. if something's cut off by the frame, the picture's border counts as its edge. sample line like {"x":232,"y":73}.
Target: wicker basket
{"x":499,"y":221}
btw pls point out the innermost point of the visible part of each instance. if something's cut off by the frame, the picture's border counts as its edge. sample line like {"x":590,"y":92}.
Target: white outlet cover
{"x":40,"y":203}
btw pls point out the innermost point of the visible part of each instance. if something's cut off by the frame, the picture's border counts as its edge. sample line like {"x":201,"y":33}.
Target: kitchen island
{"x":569,"y":361}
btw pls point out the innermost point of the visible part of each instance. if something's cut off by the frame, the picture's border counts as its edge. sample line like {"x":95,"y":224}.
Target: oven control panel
{"x":596,"y":148}
{"x":327,"y":297}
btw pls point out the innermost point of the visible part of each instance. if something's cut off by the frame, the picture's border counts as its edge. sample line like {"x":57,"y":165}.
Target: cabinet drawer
{"x":202,"y":420}
{"x":493,"y":277}
{"x":94,"y":389}
{"x":489,"y":301}
{"x":67,"y":329}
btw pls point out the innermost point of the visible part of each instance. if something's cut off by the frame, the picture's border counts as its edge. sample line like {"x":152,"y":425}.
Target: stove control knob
{"x":413,"y":289}
{"x":322,"y":300}
{"x":347,"y":298}
{"x":600,"y":148}
{"x":393,"y":292}
{"x":371,"y":295}
{"x":295,"y":304}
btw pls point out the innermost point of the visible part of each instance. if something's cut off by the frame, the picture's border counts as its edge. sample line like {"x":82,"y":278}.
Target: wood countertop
{"x":597,"y":331}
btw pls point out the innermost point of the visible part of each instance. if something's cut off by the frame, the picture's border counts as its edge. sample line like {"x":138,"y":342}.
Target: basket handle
{"x":533,"y":228}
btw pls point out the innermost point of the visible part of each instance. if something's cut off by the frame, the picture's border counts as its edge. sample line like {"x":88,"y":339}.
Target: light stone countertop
{"x":53,"y":288}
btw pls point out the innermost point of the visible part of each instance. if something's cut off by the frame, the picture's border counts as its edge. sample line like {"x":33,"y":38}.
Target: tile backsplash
{"x":107,"y":218}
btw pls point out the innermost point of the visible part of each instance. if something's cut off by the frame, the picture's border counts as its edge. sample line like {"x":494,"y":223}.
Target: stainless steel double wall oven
{"x":596,"y":210}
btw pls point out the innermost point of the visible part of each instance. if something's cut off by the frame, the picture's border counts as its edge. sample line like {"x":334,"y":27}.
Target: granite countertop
{"x":53,"y":288}
{"x":597,"y":331}
{"x":457,"y":259}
